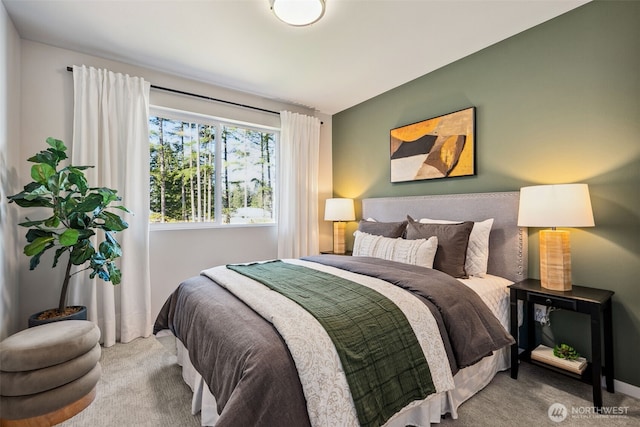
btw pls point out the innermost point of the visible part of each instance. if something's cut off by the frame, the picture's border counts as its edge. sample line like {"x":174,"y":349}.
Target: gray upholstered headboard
{"x":507,"y":242}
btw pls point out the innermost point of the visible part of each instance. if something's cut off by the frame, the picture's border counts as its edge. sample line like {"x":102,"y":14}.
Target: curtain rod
{"x":208,"y":98}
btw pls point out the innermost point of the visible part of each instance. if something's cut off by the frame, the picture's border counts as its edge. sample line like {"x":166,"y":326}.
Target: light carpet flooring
{"x":141,"y":385}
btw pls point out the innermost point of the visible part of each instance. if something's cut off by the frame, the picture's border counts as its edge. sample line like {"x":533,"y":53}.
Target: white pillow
{"x":417,"y":252}
{"x":478,"y":248}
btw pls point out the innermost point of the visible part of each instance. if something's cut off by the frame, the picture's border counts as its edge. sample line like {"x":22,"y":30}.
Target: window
{"x":206,"y":170}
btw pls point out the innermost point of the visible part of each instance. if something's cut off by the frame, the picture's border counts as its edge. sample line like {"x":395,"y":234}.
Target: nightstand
{"x":348,"y":253}
{"x":591,"y":301}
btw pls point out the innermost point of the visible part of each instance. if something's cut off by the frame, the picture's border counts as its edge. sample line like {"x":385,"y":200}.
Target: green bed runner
{"x":380,"y":354}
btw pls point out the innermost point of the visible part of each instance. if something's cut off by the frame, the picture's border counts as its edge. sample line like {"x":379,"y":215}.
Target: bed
{"x":246,"y":370}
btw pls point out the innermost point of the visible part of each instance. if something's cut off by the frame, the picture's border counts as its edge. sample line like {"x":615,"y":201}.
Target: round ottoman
{"x":48,"y":373}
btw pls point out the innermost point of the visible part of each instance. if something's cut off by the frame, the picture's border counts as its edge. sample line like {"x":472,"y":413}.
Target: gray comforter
{"x":247,"y":365}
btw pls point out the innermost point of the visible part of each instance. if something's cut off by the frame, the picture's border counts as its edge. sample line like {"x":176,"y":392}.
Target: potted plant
{"x":76,"y":212}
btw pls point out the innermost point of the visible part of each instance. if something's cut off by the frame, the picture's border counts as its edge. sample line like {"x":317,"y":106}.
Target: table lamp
{"x":339,"y":210}
{"x":561,"y":205}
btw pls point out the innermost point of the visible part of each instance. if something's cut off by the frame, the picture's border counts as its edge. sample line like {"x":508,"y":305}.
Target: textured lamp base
{"x":338,"y":237}
{"x":555,"y":260}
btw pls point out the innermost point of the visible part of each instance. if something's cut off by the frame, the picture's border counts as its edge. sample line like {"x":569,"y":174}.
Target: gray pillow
{"x":453,"y":240}
{"x":385,"y":229}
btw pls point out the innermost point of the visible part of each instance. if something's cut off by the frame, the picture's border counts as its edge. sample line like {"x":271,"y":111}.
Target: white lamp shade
{"x":298,"y":12}
{"x":339,"y":209}
{"x":560,"y":205}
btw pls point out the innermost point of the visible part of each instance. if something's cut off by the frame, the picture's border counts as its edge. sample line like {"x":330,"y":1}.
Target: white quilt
{"x":494,"y":292}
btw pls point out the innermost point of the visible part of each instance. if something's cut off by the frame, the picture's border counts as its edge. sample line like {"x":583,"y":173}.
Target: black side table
{"x":347,"y":253}
{"x":594,"y":302}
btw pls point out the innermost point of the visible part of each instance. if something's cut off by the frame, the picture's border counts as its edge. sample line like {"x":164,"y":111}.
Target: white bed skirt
{"x":468,"y":382}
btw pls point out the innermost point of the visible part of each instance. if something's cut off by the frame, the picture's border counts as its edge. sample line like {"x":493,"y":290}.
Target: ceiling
{"x":359,"y":49}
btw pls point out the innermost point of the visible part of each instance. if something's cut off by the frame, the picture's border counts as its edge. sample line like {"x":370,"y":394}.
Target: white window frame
{"x":218,"y":122}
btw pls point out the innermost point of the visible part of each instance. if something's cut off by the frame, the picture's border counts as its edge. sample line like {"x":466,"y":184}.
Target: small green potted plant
{"x":565,"y":351}
{"x":76,"y":212}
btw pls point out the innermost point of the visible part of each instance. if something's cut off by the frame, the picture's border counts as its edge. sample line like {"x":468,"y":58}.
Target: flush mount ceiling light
{"x":298,"y":12}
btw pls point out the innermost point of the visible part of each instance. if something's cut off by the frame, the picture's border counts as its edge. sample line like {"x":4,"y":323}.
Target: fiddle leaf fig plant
{"x":76,"y":212}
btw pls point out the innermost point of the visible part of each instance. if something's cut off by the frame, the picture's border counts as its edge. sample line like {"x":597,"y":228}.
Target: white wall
{"x":325,"y":181}
{"x":47,"y":110}
{"x":9,"y":171}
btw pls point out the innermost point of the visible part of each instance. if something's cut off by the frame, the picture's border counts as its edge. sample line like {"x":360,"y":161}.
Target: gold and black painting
{"x":439,"y":147}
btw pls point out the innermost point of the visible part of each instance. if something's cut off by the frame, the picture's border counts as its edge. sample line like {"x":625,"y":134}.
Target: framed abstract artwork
{"x":440,"y":147}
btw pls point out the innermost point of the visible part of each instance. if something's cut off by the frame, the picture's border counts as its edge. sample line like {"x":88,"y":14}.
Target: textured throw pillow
{"x":417,"y":252}
{"x":478,"y":249}
{"x":453,"y":240}
{"x":386,"y":229}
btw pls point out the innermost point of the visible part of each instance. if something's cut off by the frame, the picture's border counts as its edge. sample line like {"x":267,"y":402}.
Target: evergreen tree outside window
{"x":206,"y":170}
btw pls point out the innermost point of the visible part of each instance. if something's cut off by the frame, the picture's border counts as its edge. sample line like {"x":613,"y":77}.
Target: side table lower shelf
{"x":585,"y":377}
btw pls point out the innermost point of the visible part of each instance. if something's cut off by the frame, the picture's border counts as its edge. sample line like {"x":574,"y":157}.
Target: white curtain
{"x":298,"y":185}
{"x":110,"y":132}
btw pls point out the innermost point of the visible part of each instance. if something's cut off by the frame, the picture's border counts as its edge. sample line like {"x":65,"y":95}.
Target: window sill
{"x":172,"y":226}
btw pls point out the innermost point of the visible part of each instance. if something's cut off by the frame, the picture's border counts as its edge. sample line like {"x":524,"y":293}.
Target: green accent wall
{"x":559,"y":103}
